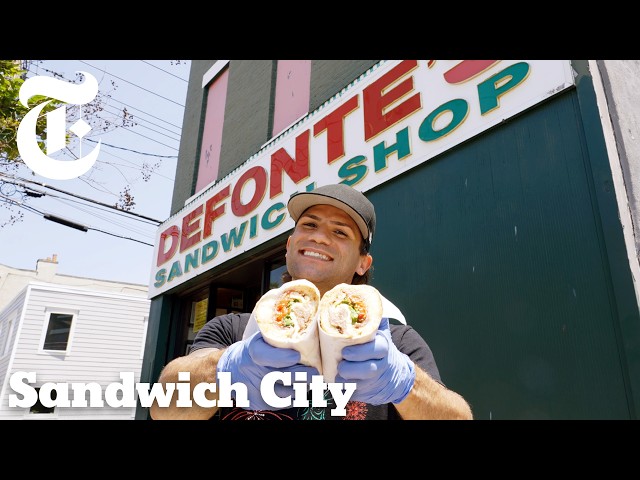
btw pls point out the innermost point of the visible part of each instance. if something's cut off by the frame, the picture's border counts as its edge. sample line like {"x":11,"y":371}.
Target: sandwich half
{"x":347,"y":315}
{"x":287,"y":318}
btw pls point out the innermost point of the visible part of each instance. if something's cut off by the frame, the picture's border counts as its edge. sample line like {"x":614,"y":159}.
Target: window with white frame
{"x":57,"y":333}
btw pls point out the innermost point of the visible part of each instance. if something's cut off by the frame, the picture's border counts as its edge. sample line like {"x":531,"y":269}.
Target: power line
{"x":138,"y":121}
{"x":121,"y":236}
{"x":131,"y":129}
{"x":91,"y":202}
{"x":134,"y":151}
{"x":80,"y":197}
{"x":165,"y":71}
{"x":130,"y":83}
{"x":144,"y":136}
{"x":70,"y":223}
{"x":131,"y":164}
{"x":78,"y":206}
{"x":146,"y":113}
{"x":111,"y":98}
{"x":66,"y":222}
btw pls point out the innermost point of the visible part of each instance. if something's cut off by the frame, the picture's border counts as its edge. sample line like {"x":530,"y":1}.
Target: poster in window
{"x":200,"y":314}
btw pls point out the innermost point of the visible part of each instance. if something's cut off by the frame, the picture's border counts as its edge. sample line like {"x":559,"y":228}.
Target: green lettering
{"x":233,"y":239}
{"x":160,"y":277}
{"x":209,"y":251}
{"x":176,"y":271}
{"x":253,"y":227}
{"x":351,"y":170}
{"x":402,"y":147}
{"x":490,"y":91}
{"x":267,"y":223}
{"x":191,"y":260}
{"x":458,"y":107}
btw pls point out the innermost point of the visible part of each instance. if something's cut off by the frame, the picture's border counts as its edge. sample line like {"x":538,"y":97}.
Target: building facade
{"x":14,"y":280}
{"x":53,"y":338}
{"x":505,"y":192}
{"x":56,"y":331}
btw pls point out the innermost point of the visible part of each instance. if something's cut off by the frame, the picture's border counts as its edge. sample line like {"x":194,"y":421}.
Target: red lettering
{"x":190,"y":229}
{"x":211,"y":213}
{"x":297,"y":169}
{"x":258,"y":175}
{"x":376,"y":98}
{"x":467,"y":69}
{"x":172,"y":233}
{"x":334,"y":125}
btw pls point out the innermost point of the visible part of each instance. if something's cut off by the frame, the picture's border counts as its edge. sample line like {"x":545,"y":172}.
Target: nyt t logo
{"x":56,"y":126}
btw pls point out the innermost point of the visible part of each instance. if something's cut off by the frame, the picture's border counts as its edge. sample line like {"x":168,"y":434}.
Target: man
{"x":395,"y":374}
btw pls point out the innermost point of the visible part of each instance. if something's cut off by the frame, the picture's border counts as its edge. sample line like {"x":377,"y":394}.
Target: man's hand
{"x":250,"y":360}
{"x":382,"y":373}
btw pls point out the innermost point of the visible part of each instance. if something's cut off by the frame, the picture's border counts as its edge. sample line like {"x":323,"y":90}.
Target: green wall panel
{"x":492,"y":251}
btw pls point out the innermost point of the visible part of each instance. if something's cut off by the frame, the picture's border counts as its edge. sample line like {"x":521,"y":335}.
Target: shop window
{"x":235,"y":292}
{"x":275,"y":269}
{"x":229,"y":300}
{"x":226,"y":300}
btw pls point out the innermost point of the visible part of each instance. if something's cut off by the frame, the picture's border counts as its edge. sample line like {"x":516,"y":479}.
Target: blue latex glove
{"x":382,"y":373}
{"x":251,"y":359}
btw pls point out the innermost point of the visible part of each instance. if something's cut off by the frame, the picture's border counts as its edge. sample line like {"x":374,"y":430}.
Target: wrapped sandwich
{"x":286,"y":316}
{"x":347,"y":315}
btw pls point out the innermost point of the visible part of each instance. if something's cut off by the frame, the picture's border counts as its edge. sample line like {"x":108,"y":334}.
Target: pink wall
{"x":212,"y":134}
{"x":293,"y":90}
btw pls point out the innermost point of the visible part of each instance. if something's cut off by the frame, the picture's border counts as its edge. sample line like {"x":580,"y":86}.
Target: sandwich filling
{"x":348,"y":315}
{"x":294,"y":311}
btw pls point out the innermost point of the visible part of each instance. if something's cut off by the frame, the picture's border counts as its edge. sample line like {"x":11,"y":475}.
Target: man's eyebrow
{"x":336,"y":222}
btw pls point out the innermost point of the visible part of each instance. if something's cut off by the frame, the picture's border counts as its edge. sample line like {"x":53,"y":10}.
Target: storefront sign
{"x":397,"y":115}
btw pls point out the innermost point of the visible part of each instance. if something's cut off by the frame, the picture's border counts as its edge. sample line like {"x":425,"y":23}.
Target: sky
{"x":142,"y":153}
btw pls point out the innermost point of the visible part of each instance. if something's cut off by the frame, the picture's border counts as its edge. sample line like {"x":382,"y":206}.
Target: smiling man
{"x":395,"y":374}
{"x":330,"y":244}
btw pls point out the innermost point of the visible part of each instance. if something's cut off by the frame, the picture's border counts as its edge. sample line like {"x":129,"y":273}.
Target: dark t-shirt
{"x":224,"y":330}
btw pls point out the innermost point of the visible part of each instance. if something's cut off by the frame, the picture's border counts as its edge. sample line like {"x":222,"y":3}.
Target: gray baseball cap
{"x":342,"y":196}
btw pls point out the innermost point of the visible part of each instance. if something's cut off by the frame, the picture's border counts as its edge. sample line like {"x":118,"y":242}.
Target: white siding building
{"x":13,"y":280}
{"x":71,"y":334}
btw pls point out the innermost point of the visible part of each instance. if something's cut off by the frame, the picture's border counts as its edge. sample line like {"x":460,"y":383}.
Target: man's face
{"x":325,"y":248}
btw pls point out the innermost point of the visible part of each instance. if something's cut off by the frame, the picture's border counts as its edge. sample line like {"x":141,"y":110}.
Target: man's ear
{"x":365,"y":264}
